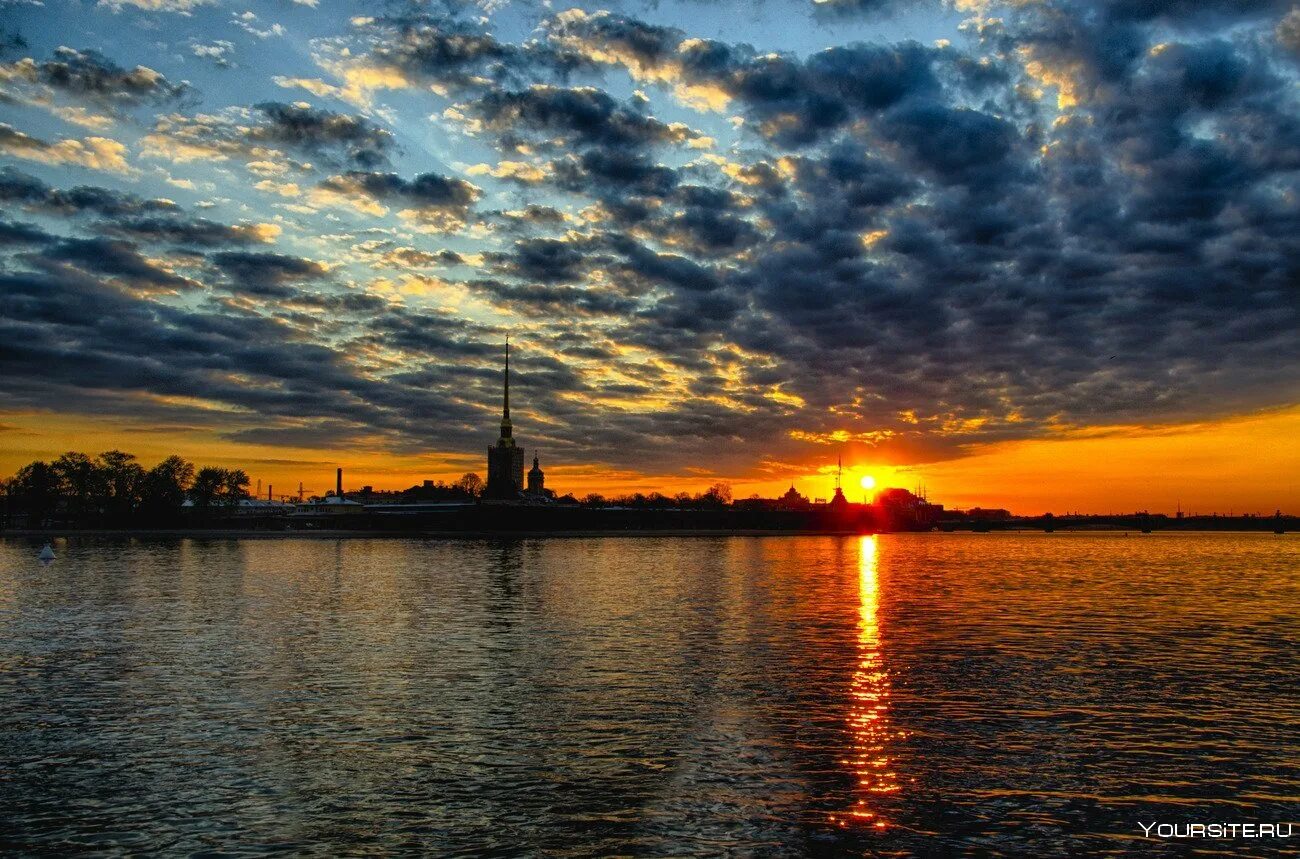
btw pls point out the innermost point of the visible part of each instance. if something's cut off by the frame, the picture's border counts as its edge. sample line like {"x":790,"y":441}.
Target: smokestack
{"x":338,"y":483}
{"x":269,"y":487}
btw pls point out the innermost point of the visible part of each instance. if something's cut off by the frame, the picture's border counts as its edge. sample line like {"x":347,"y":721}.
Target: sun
{"x":868,"y":482}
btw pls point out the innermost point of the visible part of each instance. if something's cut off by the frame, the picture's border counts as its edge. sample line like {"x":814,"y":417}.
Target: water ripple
{"x":897,"y":695}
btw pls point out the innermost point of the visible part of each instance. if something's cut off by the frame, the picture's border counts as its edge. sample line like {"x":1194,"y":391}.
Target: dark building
{"x":792,"y":500}
{"x":505,"y":459}
{"x":536,"y":479}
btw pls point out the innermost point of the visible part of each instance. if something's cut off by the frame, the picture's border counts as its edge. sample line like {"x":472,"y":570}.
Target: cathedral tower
{"x":505,"y":459}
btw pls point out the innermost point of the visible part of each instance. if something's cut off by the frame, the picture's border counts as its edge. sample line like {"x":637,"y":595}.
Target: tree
{"x":234,"y":486}
{"x":721,"y":491}
{"x":224,"y":486}
{"x":717,"y":495}
{"x":122,"y":481}
{"x":207,"y":486}
{"x":81,"y":483}
{"x":34,"y":490}
{"x":471,"y":484}
{"x":164,"y":486}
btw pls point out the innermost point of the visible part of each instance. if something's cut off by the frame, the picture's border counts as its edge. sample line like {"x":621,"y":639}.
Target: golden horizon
{"x":1243,"y":464}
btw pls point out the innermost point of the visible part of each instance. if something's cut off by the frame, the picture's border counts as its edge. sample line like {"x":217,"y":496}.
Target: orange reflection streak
{"x":869,"y":713}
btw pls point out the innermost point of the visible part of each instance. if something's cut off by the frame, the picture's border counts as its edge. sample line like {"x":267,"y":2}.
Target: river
{"x":932,"y":694}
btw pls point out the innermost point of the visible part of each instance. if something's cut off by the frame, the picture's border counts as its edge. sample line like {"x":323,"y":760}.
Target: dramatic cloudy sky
{"x":994,"y":247}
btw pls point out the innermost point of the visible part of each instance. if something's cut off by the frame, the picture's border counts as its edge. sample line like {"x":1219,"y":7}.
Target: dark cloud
{"x":1211,"y":12}
{"x":870,"y":8}
{"x":671,"y":270}
{"x":125,"y":215}
{"x":544,"y":260}
{"x":792,"y":101}
{"x":797,"y":102}
{"x":613,"y":175}
{"x":183,"y":231}
{"x":550,"y":300}
{"x":706,"y":221}
{"x":953,"y":144}
{"x":565,"y":117}
{"x":16,"y":233}
{"x":267,"y":275}
{"x":260,"y":134}
{"x":90,"y":76}
{"x":26,"y":190}
{"x":357,"y":140}
{"x":533,"y":215}
{"x":115,"y":259}
{"x":429,"y":193}
{"x":452,"y":52}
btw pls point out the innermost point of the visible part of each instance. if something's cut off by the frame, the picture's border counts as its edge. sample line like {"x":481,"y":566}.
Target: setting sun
{"x":868,"y":482}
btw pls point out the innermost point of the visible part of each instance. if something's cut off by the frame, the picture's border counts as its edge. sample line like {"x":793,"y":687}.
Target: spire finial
{"x":505,"y":412}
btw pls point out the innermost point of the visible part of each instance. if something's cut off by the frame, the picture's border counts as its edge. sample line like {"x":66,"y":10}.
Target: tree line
{"x":717,"y":495}
{"x":113,"y":488}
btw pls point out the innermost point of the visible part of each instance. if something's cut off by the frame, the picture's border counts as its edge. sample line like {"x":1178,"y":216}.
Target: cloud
{"x":846,"y":8}
{"x":445,"y":53}
{"x":557,"y":117}
{"x":218,"y":51}
{"x":247,"y":21}
{"x":439,"y":202}
{"x":792,"y":101}
{"x":316,"y":131}
{"x":90,"y":76}
{"x":1288,"y":31}
{"x":177,"y":7}
{"x":259,"y":135}
{"x":126,"y":215}
{"x":120,"y":261}
{"x":94,"y":153}
{"x":515,"y":171}
{"x":267,"y":275}
{"x":25,"y":189}
{"x":19,"y":234}
{"x":193,"y":232}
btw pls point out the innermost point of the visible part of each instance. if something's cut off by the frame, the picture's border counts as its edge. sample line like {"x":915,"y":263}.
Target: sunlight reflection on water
{"x":869,"y":711}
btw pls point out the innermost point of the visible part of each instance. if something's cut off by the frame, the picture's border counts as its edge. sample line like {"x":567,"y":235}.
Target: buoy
{"x":47,"y":554}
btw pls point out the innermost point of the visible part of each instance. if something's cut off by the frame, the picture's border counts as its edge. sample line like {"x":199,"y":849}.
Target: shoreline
{"x":247,"y":533}
{"x":414,"y":534}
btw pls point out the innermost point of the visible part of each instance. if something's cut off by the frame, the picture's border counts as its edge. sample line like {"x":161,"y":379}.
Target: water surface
{"x":1023,"y":694}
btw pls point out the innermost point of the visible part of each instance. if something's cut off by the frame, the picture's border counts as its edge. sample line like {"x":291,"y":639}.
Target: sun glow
{"x":868,"y":481}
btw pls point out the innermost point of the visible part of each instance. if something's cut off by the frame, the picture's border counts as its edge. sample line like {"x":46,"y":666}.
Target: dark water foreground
{"x":899,"y":695}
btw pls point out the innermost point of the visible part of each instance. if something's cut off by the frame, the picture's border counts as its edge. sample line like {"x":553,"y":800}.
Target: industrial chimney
{"x":338,"y":483}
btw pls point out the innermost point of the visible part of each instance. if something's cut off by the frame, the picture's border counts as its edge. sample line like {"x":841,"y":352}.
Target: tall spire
{"x":506,"y":428}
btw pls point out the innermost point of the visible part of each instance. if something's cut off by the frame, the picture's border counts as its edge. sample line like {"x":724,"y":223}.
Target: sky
{"x":1036,"y":254}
